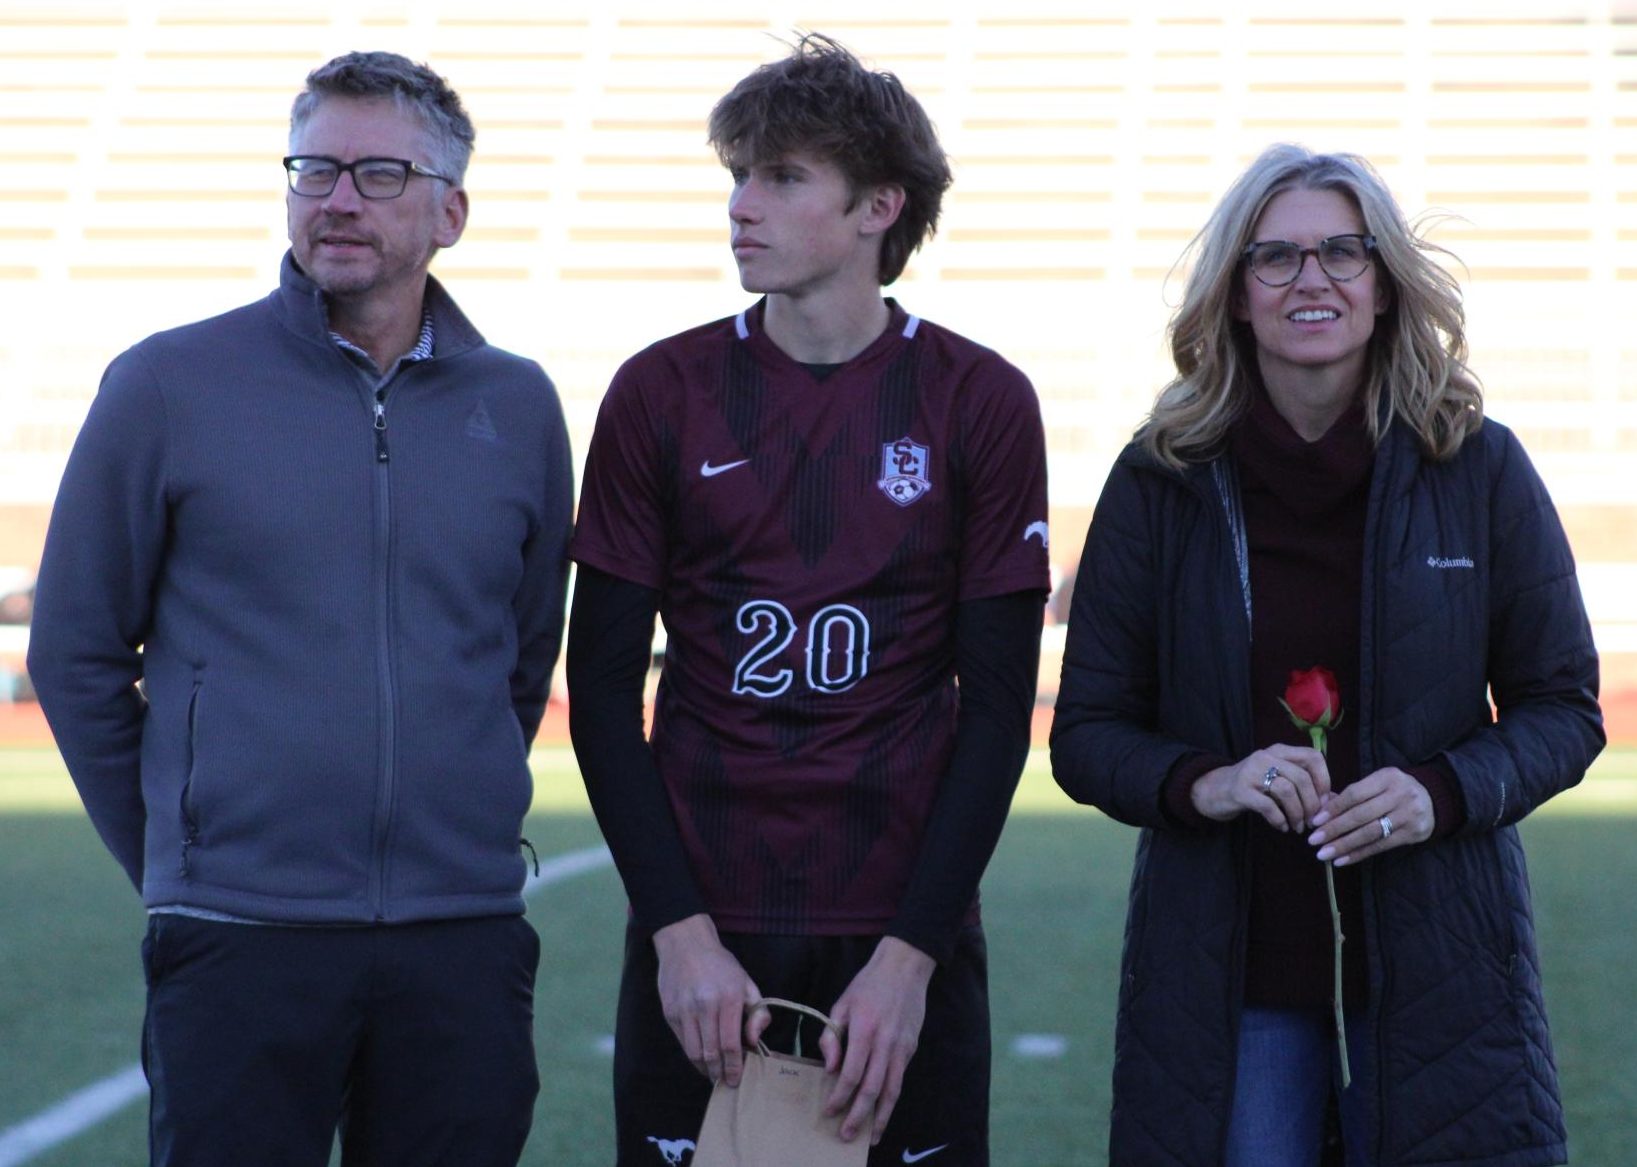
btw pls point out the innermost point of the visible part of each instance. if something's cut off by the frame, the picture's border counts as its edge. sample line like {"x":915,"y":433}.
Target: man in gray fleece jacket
{"x":295,"y":627}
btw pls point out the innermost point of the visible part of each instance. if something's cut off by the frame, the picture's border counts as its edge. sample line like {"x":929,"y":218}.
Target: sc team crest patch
{"x":904,"y":471}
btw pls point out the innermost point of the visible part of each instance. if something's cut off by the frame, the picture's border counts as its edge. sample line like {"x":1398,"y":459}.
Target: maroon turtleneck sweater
{"x":1305,"y":505}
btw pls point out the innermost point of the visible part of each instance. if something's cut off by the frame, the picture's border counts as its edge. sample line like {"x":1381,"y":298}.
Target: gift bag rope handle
{"x":798,"y":1007}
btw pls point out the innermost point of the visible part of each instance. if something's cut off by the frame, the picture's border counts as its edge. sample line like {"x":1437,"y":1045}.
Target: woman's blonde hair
{"x":1417,"y":353}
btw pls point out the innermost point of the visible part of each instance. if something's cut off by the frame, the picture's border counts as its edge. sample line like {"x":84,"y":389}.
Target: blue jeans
{"x":1288,"y":1068}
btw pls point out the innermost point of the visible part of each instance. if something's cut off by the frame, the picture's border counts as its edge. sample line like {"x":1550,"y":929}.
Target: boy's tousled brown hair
{"x":822,"y":100}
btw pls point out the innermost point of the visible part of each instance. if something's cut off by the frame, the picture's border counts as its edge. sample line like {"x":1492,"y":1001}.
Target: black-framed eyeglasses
{"x":1277,"y":262}
{"x":315,"y":175}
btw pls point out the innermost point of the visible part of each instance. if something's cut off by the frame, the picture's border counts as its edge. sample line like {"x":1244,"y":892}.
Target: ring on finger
{"x":1386,"y":826}
{"x":1267,"y":779}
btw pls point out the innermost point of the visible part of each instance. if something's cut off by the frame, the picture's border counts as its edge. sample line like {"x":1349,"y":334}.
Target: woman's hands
{"x":1380,"y":811}
{"x":1289,"y":787}
{"x":1286,"y":785}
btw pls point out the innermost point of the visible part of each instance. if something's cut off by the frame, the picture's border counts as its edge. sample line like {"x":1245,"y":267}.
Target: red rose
{"x":1312,"y":697}
{"x":1313,"y":700}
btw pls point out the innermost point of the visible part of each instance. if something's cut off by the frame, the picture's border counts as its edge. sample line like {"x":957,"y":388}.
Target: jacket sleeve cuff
{"x":1448,"y":804}
{"x":1176,"y":793}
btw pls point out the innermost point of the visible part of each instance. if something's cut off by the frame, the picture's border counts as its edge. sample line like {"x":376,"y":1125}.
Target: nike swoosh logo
{"x":916,"y":1158}
{"x":706,"y":470}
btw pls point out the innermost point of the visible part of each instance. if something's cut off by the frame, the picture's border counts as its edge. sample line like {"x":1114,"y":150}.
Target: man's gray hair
{"x":415,"y":89}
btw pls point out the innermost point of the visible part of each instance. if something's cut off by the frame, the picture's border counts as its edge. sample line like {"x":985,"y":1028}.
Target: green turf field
{"x":71,"y":986}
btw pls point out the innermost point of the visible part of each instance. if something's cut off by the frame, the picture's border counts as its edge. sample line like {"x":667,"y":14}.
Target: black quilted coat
{"x":1469,"y":591}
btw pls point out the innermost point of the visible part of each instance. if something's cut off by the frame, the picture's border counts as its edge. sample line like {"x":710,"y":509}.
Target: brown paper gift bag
{"x":775,"y":1117}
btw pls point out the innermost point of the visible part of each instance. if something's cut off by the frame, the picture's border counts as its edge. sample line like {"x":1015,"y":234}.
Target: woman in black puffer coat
{"x":1318,"y":526}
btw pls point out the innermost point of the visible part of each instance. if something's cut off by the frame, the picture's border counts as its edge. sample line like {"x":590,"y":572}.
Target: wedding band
{"x":1386,"y":826}
{"x":1267,"y":779}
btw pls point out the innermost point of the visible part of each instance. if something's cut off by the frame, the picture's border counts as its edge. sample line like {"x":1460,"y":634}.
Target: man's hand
{"x":881,"y":1014}
{"x":704,"y":992}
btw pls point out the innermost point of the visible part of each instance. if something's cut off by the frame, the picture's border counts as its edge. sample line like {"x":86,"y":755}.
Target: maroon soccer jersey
{"x":810,"y":539}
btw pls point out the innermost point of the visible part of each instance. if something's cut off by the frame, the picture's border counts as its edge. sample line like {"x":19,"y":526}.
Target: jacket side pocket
{"x":190,"y":820}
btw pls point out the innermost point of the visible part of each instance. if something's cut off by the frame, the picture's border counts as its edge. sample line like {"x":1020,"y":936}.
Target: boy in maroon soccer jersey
{"x":837,"y":509}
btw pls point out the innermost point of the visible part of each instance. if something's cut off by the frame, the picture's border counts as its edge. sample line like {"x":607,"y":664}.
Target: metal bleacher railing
{"x":139,"y":143}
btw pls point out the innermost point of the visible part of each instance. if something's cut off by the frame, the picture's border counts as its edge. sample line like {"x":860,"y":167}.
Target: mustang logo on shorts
{"x":672,"y":1149}
{"x":904,"y":471}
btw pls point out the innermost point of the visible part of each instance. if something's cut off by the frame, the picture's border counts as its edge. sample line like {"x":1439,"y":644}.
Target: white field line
{"x":566,"y":866}
{"x":84,"y":1109}
{"x":74,"y":1115}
